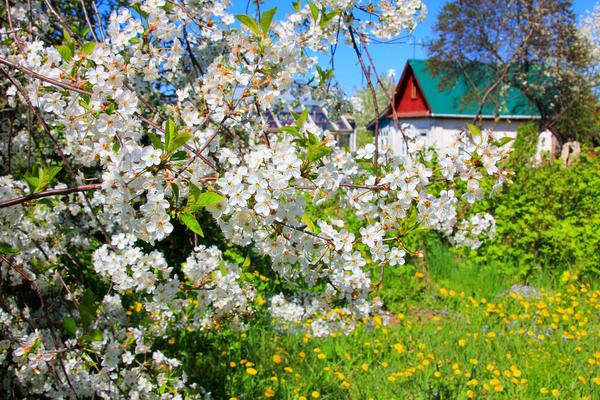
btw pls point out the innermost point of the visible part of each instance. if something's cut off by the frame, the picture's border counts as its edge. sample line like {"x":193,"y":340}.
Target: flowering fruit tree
{"x":131,"y":128}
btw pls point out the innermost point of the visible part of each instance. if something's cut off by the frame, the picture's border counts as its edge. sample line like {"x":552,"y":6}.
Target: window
{"x":413,"y":90}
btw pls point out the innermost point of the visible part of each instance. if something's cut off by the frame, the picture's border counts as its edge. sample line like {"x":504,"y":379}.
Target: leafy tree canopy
{"x":533,"y":45}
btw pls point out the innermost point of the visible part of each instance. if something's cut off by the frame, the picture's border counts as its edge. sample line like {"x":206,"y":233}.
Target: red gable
{"x":408,"y":97}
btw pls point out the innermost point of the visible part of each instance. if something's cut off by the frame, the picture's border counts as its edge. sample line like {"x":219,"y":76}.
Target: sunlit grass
{"x":525,"y":344}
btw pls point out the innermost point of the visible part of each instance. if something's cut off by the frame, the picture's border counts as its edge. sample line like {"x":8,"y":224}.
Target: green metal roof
{"x":451,"y":101}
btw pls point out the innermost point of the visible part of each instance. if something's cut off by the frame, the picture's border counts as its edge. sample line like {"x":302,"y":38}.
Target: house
{"x":439,"y":116}
{"x":342,"y":128}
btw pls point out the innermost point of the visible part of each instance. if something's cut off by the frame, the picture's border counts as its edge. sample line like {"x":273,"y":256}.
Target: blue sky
{"x":385,"y":56}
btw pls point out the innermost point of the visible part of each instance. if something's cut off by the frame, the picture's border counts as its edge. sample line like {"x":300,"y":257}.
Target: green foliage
{"x":530,"y":45}
{"x":366,"y":115}
{"x":548,"y":219}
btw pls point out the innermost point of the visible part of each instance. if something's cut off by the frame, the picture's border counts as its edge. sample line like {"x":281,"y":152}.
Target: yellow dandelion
{"x":251,"y":371}
{"x":276,"y":359}
{"x":315,"y":394}
{"x":269,"y":393}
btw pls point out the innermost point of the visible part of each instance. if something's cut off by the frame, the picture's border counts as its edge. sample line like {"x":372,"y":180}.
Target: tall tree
{"x":533,"y":45}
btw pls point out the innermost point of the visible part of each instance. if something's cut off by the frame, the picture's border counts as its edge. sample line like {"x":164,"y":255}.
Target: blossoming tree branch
{"x":95,"y":165}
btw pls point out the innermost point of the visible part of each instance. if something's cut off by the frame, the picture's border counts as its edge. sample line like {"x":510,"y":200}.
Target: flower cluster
{"x":134,"y":171}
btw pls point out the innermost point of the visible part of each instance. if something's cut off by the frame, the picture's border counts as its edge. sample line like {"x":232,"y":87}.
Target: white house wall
{"x":437,"y":132}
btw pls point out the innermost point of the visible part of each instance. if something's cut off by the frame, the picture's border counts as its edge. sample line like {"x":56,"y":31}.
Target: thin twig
{"x":99,"y":20}
{"x":48,"y":193}
{"x":62,"y":22}
{"x":10,"y":24}
{"x":87,"y":19}
{"x":373,"y":95}
{"x":48,"y":320}
{"x":55,"y":144}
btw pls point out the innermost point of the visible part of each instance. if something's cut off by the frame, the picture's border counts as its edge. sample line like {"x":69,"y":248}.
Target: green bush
{"x":548,"y":219}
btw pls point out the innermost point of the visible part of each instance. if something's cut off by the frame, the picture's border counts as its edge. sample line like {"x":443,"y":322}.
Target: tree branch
{"x":49,"y":193}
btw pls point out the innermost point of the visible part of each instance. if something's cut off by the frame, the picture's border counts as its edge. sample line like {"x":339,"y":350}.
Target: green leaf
{"x":65,"y":52}
{"x":67,"y":37}
{"x":326,"y":19}
{"x":139,"y":10}
{"x":266,"y":19}
{"x":223,"y":268}
{"x":87,"y":309}
{"x":475,"y":131}
{"x":208,"y":199}
{"x":135,"y":40}
{"x":46,"y":177}
{"x":170,"y":133}
{"x":247,"y":261}
{"x":249,"y":22}
{"x":6,"y":249}
{"x":191,"y":222}
{"x":96,"y":336}
{"x":300,"y":119}
{"x":178,"y":141}
{"x":175,"y":190}
{"x":178,"y":156}
{"x":116,"y":146}
{"x":504,"y":141}
{"x":313,"y":139}
{"x":317,"y":151}
{"x":155,"y":140}
{"x":193,"y":193}
{"x":87,"y":48}
{"x":296,"y":5}
{"x":167,"y":7}
{"x":69,"y":325}
{"x":85,"y":105}
{"x":314,"y":10}
{"x":203,"y":199}
{"x":308,"y":222}
{"x":32,"y":182}
{"x":110,"y":108}
{"x":291,"y":130}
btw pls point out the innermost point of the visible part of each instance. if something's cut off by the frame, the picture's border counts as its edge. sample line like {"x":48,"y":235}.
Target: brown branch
{"x":390,"y":98}
{"x":45,"y":78}
{"x":351,"y":185}
{"x":373,"y":95}
{"x":99,"y":20}
{"x":48,"y":193}
{"x":54,"y":144}
{"x":87,"y":19}
{"x":62,"y":22}
{"x":303,"y":230}
{"x":37,"y":291}
{"x":10,"y":24}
